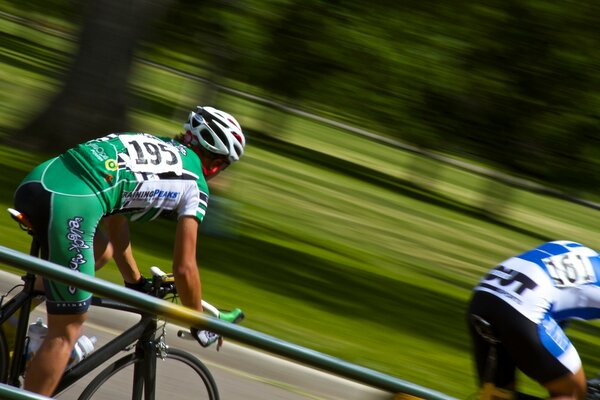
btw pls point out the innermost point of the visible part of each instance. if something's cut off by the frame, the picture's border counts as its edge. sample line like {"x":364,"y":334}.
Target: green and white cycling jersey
{"x":135,"y":174}
{"x":142,"y":175}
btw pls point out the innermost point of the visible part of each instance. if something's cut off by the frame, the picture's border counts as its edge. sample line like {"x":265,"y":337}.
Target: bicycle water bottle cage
{"x":484,"y":329}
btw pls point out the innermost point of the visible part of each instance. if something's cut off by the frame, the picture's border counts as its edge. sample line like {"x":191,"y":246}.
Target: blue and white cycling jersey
{"x":559,"y":279}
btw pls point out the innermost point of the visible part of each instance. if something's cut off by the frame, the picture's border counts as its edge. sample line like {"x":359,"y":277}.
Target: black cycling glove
{"x":144,"y":285}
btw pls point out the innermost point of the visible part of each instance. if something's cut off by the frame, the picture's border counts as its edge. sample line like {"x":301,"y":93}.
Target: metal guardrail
{"x":189,"y":317}
{"x":8,"y":392}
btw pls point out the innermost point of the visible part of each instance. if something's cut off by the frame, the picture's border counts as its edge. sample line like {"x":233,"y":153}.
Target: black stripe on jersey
{"x":203,"y":197}
{"x":187,"y":176}
{"x":140,"y":211}
{"x":153,"y":212}
{"x":121,"y":160}
{"x":135,"y":189}
{"x":169,"y":214}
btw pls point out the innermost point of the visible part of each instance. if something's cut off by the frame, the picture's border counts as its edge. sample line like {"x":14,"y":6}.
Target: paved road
{"x":240,"y":372}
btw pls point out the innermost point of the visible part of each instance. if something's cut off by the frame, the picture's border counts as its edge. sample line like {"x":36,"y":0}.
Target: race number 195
{"x":151,"y":155}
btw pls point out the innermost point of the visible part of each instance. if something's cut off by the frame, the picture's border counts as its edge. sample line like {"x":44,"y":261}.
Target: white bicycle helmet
{"x":216,"y":131}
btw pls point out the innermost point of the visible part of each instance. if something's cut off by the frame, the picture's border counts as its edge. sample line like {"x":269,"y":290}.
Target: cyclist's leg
{"x":504,"y":373}
{"x":64,"y":212}
{"x":504,"y":369}
{"x":50,"y":360}
{"x":552,"y":360}
{"x":70,"y":242}
{"x":574,"y":385}
{"x":65,"y":224}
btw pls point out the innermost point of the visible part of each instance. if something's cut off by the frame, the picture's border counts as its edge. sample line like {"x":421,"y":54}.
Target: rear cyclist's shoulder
{"x":560,"y":247}
{"x":568,"y":244}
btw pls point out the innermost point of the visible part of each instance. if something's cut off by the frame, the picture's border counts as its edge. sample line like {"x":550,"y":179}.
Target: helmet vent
{"x":196,"y":121}
{"x":206,"y":135}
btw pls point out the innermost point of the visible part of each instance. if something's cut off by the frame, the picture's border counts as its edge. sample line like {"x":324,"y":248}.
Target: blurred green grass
{"x":341,"y":244}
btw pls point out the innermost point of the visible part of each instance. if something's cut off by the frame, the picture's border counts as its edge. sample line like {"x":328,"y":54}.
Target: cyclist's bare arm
{"x":185,"y":269}
{"x":117,"y":229}
{"x":103,"y":250}
{"x":165,"y":283}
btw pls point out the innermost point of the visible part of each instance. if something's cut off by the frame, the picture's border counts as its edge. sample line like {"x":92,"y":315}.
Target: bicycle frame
{"x":21,"y":301}
{"x":141,"y":333}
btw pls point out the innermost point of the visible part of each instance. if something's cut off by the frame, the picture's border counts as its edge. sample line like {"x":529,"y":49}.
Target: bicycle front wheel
{"x":180,"y":375}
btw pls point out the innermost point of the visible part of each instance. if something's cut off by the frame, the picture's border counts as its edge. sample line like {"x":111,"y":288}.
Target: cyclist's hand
{"x":593,"y":388}
{"x":204,"y":337}
{"x":144,"y":285}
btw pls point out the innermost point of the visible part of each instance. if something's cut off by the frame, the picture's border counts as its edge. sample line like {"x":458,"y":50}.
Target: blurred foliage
{"x":515,"y":83}
{"x":511,"y":82}
{"x":373,"y":250}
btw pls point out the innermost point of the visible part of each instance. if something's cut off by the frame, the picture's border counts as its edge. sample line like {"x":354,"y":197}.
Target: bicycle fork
{"x":144,"y":372}
{"x":144,"y":375}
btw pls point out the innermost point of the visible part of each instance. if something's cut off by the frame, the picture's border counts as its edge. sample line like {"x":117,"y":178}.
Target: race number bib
{"x":570,"y":269}
{"x":151,"y":155}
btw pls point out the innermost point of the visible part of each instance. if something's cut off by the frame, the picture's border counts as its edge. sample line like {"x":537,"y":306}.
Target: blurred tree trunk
{"x":220,"y":52}
{"x":218,"y":62}
{"x":93,"y":100}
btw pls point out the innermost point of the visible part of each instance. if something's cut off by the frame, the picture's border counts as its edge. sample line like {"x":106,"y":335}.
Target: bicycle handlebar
{"x":164,"y":284}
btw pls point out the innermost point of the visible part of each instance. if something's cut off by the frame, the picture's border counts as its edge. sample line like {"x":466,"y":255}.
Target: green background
{"x":333,"y":242}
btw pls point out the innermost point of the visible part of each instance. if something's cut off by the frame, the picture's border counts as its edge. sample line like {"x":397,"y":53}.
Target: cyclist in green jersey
{"x":120,"y":178}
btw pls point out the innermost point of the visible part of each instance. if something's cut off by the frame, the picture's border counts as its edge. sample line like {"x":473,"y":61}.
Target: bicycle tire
{"x":198,"y":368}
{"x":4,"y":357}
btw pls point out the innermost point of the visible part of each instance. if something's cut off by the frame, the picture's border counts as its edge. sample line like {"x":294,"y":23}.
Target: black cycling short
{"x":520,"y":343}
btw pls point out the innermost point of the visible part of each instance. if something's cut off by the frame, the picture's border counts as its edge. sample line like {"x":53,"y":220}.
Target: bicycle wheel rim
{"x":179,"y":375}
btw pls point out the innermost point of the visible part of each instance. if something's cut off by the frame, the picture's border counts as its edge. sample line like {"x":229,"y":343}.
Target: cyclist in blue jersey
{"x":527,"y":299}
{"x":121,"y":178}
